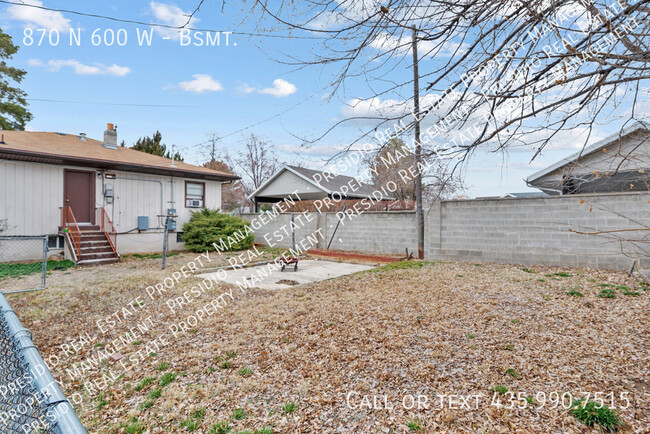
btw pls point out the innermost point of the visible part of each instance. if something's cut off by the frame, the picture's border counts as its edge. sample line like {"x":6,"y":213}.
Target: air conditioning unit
{"x":194,"y":203}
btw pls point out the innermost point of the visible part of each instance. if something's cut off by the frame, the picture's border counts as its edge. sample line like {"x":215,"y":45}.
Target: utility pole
{"x":419,"y":214}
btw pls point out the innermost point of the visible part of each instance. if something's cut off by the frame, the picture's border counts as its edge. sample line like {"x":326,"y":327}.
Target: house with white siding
{"x":618,"y":163}
{"x":94,"y":199}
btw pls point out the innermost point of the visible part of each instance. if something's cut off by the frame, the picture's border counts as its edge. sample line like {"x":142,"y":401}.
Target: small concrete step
{"x":93,"y":235}
{"x":96,"y":249}
{"x":86,"y":228}
{"x":94,"y":242}
{"x":98,"y":261}
{"x":100,"y":255}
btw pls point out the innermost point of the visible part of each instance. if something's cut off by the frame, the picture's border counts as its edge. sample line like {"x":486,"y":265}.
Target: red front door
{"x":79,"y":194}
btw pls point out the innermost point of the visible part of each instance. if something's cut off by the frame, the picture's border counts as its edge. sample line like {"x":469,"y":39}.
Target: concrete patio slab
{"x":309,"y":271}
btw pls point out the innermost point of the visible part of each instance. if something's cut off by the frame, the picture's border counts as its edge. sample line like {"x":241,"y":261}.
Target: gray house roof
{"x":326,"y":182}
{"x":526,"y":194}
{"x":588,"y":150}
{"x":335,"y":182}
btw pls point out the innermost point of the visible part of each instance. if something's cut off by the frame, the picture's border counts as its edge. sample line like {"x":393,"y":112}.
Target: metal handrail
{"x":106,"y":225}
{"x":70,"y":223}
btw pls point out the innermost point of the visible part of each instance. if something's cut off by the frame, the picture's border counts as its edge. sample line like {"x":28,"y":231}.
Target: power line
{"x":143,"y":23}
{"x":113,"y":104}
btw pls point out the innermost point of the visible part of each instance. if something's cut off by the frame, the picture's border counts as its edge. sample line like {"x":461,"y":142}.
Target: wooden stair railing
{"x":106,"y":226}
{"x":69,"y":225}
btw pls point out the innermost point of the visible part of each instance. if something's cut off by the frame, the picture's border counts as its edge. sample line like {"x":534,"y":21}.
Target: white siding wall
{"x":31,"y":195}
{"x":139,"y":195}
{"x":630,"y":153}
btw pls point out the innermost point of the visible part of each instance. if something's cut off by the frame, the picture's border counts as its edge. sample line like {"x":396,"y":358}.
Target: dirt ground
{"x":481,"y":348}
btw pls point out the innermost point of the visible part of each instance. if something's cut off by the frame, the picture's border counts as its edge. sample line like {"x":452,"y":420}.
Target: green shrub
{"x":591,"y":414}
{"x":206,"y":227}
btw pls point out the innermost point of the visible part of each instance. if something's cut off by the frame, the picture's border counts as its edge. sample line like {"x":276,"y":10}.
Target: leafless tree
{"x":494,"y":75}
{"x":437,"y":182}
{"x":210,"y":148}
{"x":255,"y":163}
{"x":510,"y":67}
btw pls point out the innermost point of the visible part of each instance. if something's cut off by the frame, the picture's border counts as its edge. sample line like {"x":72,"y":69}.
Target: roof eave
{"x":106,"y":164}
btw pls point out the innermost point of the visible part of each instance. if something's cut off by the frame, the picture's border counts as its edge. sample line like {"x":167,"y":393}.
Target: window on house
{"x":194,"y":194}
{"x":55,"y":241}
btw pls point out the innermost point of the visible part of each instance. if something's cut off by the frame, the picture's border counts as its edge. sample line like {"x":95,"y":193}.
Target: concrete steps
{"x":95,"y":247}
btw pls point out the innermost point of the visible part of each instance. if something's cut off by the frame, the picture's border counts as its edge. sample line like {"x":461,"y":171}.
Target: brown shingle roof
{"x":57,"y":148}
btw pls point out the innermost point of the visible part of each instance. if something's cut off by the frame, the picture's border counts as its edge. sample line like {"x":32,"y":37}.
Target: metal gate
{"x":19,"y":270}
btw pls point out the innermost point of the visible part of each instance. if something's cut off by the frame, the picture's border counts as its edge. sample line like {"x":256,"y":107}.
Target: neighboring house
{"x":97,"y":200}
{"x":618,"y":163}
{"x":524,"y":195}
{"x":310,"y":184}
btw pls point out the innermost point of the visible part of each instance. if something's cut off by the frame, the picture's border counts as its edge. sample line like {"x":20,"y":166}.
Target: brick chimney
{"x":110,"y":137}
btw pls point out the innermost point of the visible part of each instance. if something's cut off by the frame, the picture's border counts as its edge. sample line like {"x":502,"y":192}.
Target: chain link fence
{"x":30,"y":399}
{"x":23,"y":263}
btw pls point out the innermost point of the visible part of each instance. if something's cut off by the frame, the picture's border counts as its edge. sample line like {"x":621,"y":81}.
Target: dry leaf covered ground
{"x":465,"y":340}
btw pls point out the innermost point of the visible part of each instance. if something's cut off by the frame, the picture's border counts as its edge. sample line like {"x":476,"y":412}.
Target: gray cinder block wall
{"x":379,"y":232}
{"x":520,"y":231}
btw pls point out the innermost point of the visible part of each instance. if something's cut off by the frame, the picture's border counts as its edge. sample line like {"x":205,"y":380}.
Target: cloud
{"x":387,"y":42}
{"x":40,"y":18}
{"x":244,"y":89}
{"x":202,"y":83}
{"x":172,"y":16}
{"x":81,"y":69}
{"x":280,"y":89}
{"x":34,"y":62}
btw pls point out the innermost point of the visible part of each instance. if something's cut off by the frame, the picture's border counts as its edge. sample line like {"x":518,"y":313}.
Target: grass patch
{"x":167,"y":378}
{"x":610,"y":285}
{"x":289,"y":407}
{"x":501,"y":390}
{"x":560,"y":274}
{"x":222,"y":427}
{"x":163,"y":366}
{"x":145,"y":382}
{"x":193,"y":422}
{"x":527,"y":270}
{"x":151,"y":255}
{"x":134,"y":426}
{"x":471,"y":336}
{"x":244,"y":371}
{"x":231,"y":354}
{"x":17,"y":269}
{"x":239,"y":414}
{"x":607,"y":293}
{"x":226,"y":364}
{"x":631,"y":293}
{"x":512,"y":373}
{"x":591,"y":413}
{"x":574,"y":293}
{"x":101,"y":401}
{"x":414,"y":425}
{"x":400,"y":265}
